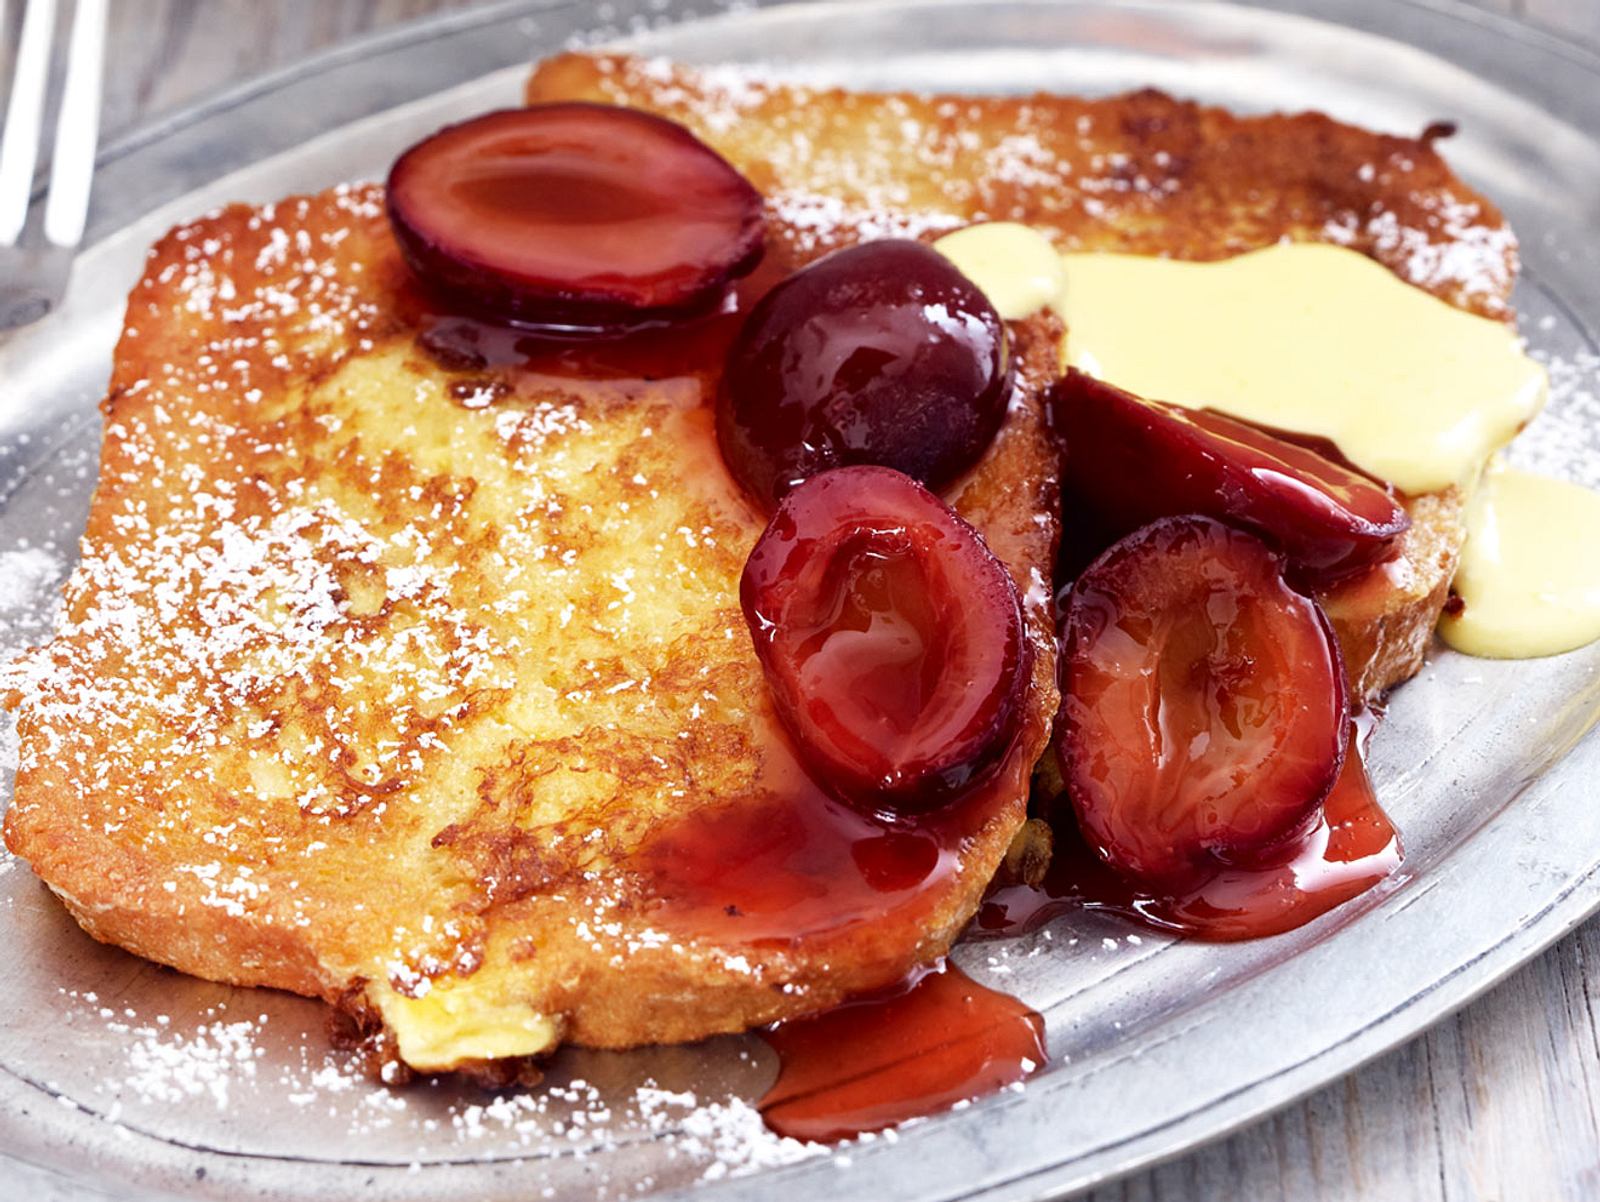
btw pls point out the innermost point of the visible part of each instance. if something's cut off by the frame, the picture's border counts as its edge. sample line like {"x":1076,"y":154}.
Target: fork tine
{"x":19,"y":142}
{"x":72,"y":163}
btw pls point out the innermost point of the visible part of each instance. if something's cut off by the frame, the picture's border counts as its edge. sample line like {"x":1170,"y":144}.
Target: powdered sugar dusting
{"x":1456,"y":250}
{"x":29,"y":576}
{"x":822,"y":221}
{"x":1141,"y":172}
{"x":723,"y":95}
{"x":728,"y":1136}
{"x":25,"y":576}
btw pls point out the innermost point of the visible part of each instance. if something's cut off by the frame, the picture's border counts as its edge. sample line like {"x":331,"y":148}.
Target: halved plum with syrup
{"x":892,"y":639}
{"x":1129,"y":461}
{"x":574,"y":217}
{"x":1204,"y":711}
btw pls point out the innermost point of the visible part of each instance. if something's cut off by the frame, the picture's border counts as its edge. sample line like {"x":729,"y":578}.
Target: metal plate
{"x":121,"y":1079}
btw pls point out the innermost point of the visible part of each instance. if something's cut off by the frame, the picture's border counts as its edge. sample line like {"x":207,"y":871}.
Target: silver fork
{"x":34,"y":269}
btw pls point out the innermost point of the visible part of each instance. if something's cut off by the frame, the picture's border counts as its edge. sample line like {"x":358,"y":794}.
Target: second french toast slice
{"x":1138,"y":173}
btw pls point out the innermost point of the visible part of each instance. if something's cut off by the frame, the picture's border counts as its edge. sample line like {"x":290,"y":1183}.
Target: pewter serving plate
{"x":120,"y":1079}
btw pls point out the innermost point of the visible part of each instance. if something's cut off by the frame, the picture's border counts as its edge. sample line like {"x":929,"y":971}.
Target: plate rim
{"x":1580,"y":895}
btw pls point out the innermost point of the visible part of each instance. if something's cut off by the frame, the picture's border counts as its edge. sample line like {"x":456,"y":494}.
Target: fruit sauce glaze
{"x":799,"y":861}
{"x":938,"y":1040}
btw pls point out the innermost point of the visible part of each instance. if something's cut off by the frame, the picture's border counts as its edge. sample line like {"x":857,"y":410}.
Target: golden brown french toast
{"x":408,"y":677}
{"x":405,"y":666}
{"x":1139,"y":173}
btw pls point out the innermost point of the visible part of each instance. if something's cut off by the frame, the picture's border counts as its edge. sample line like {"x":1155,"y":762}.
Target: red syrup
{"x":694,"y":347}
{"x":938,"y":1040}
{"x":1350,"y":850}
{"x":793,"y":864}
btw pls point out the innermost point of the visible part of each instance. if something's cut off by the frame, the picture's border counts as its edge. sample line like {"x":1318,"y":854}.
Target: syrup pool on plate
{"x":940,"y":1040}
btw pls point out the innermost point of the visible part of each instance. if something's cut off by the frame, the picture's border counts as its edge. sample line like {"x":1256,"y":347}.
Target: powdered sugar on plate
{"x":244,"y":1061}
{"x":1554,"y":442}
{"x":25,"y":575}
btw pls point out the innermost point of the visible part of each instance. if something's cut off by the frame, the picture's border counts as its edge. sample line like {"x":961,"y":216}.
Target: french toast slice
{"x":392,"y":662}
{"x":1137,"y":173}
{"x":409,"y":672}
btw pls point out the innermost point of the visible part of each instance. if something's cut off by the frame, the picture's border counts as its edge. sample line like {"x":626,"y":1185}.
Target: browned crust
{"x":1385,"y":617}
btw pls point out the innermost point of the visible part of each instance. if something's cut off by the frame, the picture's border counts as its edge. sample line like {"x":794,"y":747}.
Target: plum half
{"x":1203,"y":711}
{"x":882,"y":353}
{"x":1129,"y":461}
{"x":891,"y":637}
{"x":574,"y":217}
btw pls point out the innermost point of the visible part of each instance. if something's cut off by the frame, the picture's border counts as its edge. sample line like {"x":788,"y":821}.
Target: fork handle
{"x":77,"y":129}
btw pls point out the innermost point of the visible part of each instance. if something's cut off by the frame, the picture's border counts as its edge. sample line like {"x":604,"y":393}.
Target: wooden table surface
{"x":1498,"y":1102}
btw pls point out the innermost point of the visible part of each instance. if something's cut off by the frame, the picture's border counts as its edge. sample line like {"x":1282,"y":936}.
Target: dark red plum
{"x":1129,"y":461}
{"x":574,"y":217}
{"x":882,"y":353}
{"x":1203,"y":711}
{"x":892,"y":640}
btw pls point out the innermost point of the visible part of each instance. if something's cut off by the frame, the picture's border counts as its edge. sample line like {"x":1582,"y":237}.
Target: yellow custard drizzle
{"x":1311,"y":338}
{"x":462,"y":1019}
{"x":1014,"y":265}
{"x":1529,"y":577}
